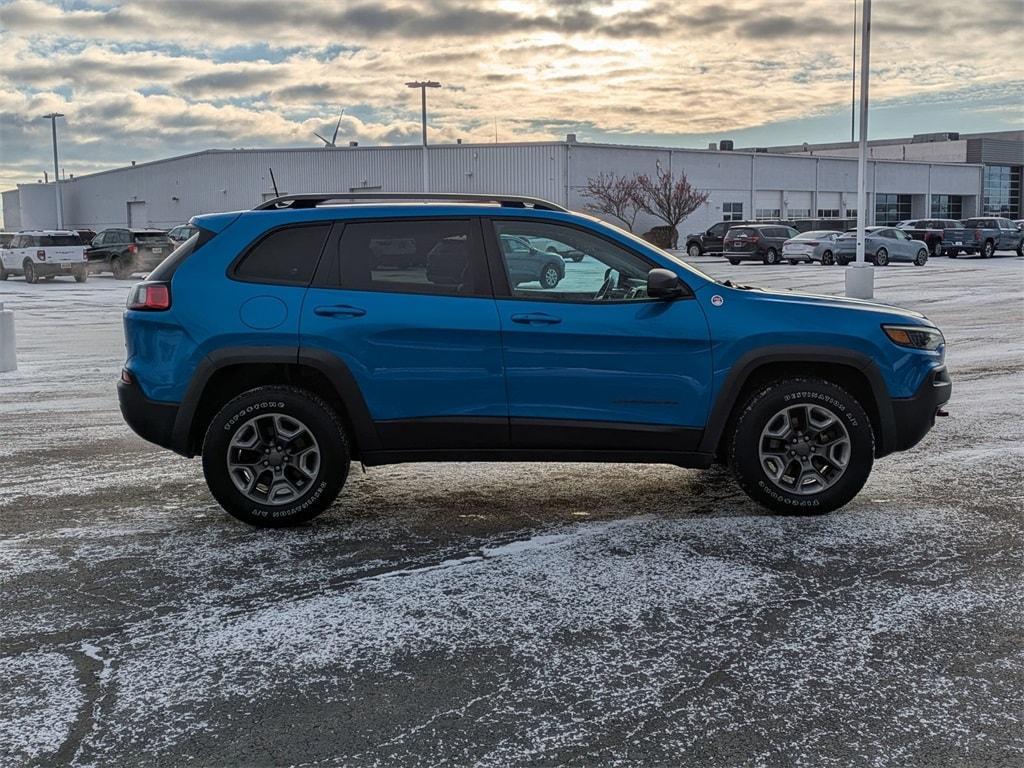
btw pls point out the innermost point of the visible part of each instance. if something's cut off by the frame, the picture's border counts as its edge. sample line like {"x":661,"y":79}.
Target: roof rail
{"x":314,"y":199}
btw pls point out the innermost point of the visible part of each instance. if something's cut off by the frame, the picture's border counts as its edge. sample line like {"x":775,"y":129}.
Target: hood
{"x":784,"y":296}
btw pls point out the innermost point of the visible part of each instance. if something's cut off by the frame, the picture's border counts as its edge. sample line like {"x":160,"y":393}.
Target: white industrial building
{"x":742,"y":184}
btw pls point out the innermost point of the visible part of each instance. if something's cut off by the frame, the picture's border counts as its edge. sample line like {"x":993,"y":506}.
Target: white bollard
{"x":860,"y":281}
{"x":8,"y":349}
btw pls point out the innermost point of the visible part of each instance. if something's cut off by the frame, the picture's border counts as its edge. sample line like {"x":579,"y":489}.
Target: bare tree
{"x":615,"y":196}
{"x":669,"y":198}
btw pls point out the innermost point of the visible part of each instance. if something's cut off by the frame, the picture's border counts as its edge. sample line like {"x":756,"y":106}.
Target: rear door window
{"x":435,"y":256}
{"x":286,"y":256}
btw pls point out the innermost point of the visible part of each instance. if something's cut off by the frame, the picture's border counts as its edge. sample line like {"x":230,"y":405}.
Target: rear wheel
{"x":275,"y":456}
{"x":936,"y":248}
{"x":771,"y":256}
{"x":802,"y":446}
{"x":81,"y":274}
{"x":734,"y":262}
{"x":121,"y":266}
{"x":827,"y":259}
{"x":693,"y":250}
{"x":549,"y":276}
{"x":30,"y":272}
{"x":988,"y":249}
{"x":841,"y":261}
{"x":922,"y":258}
{"x":882,"y":257}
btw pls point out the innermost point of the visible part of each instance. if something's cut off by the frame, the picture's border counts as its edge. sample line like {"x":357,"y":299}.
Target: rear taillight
{"x":133,"y":248}
{"x":754,"y":238}
{"x":152,"y":297}
{"x":977,"y":234}
{"x":41,"y":255}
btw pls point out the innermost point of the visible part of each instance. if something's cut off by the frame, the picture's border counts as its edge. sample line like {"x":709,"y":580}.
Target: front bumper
{"x":149,"y":419}
{"x":914,"y":416}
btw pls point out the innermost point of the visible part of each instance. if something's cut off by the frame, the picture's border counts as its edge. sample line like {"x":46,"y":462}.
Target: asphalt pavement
{"x":519,"y":614}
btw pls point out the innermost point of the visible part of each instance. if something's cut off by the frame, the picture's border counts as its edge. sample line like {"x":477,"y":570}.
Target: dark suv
{"x":757,"y":242}
{"x":710,"y":242}
{"x":275,"y":344}
{"x":126,"y":251}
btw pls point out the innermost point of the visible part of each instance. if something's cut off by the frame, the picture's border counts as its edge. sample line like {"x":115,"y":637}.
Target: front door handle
{"x":536,"y":318}
{"x":339,"y":310}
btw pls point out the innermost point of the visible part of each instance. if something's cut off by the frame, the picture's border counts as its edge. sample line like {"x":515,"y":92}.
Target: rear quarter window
{"x":288,"y":256}
{"x":47,"y":240}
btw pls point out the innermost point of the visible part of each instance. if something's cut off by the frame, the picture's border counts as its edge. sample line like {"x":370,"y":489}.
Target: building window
{"x":828,"y":213}
{"x":891,"y":209}
{"x":1001,"y":191}
{"x":851,"y":213}
{"x":947,"y":207}
{"x":762,"y":214}
{"x":732,"y":211}
{"x":798,"y":213}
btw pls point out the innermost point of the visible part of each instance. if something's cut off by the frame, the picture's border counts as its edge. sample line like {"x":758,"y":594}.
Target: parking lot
{"x":519,"y":614}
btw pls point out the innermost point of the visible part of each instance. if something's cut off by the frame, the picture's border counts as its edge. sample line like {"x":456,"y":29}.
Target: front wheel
{"x":549,"y":276}
{"x":936,"y":248}
{"x":841,"y":261}
{"x":827,"y":259}
{"x":771,"y":256}
{"x":802,"y":446}
{"x":882,"y":257}
{"x":693,"y":250}
{"x":922,"y":258}
{"x":275,"y":456}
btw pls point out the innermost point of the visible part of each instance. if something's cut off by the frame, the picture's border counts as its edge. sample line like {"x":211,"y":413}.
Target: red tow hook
{"x":941,"y":412}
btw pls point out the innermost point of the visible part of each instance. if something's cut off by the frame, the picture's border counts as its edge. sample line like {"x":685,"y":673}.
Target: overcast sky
{"x":143,"y":80}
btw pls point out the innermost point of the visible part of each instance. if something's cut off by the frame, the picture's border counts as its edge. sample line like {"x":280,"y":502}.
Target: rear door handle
{"x":339,"y":310}
{"x":536,"y":318}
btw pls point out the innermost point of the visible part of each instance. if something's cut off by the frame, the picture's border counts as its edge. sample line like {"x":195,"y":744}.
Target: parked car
{"x":86,"y":234}
{"x":986,"y":235}
{"x":125,"y":251}
{"x":932,"y":232}
{"x":757,"y":242}
{"x":812,"y":246}
{"x":44,"y":254}
{"x":271,"y":347}
{"x":552,"y":246}
{"x":882,"y":246}
{"x":832,"y":225}
{"x":711,"y":241}
{"x":181,"y":233}
{"x":527,"y":264}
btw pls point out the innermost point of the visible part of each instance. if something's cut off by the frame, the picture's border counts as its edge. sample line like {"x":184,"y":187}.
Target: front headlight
{"x":915,"y":336}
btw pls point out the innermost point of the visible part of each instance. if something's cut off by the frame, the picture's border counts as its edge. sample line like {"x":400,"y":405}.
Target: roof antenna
{"x":274,"y":182}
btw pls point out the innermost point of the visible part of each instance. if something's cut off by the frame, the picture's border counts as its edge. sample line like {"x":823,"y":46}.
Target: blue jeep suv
{"x":283,"y":343}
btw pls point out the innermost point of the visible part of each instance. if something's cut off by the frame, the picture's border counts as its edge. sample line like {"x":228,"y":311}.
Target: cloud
{"x":149,"y":79}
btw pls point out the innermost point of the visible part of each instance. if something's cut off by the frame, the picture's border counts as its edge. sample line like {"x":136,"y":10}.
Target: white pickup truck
{"x":44,"y":253}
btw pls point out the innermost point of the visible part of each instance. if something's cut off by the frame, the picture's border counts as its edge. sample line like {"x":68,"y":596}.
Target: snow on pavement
{"x":511,"y":614}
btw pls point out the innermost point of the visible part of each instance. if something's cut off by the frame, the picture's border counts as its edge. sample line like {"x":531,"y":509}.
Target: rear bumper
{"x":743,"y":255}
{"x":149,"y":419}
{"x":47,"y":268}
{"x":914,"y":416}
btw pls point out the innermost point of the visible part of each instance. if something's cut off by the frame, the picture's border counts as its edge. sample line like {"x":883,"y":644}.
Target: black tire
{"x":953,"y":254}
{"x":841,"y":261}
{"x":30,"y":272}
{"x":4,"y":274}
{"x":921,"y":259}
{"x":987,"y":250}
{"x":121,"y":266}
{"x":81,"y":274}
{"x":734,"y":262}
{"x":771,"y":256}
{"x":827,"y":259}
{"x":296,"y":403}
{"x":882,"y":258}
{"x":794,"y":262}
{"x":936,"y":248}
{"x":549,"y":275}
{"x":693,"y":250}
{"x":1020,"y":250}
{"x":763,"y":406}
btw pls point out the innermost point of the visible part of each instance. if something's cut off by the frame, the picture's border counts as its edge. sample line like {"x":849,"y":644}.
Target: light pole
{"x":423,"y":85}
{"x":860,"y":276}
{"x":52,"y":117}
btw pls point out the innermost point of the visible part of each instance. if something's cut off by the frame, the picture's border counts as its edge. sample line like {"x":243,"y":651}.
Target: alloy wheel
{"x":273,"y":459}
{"x":804,"y":449}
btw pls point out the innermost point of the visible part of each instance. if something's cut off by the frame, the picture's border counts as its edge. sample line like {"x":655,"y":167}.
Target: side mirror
{"x":664,"y":284}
